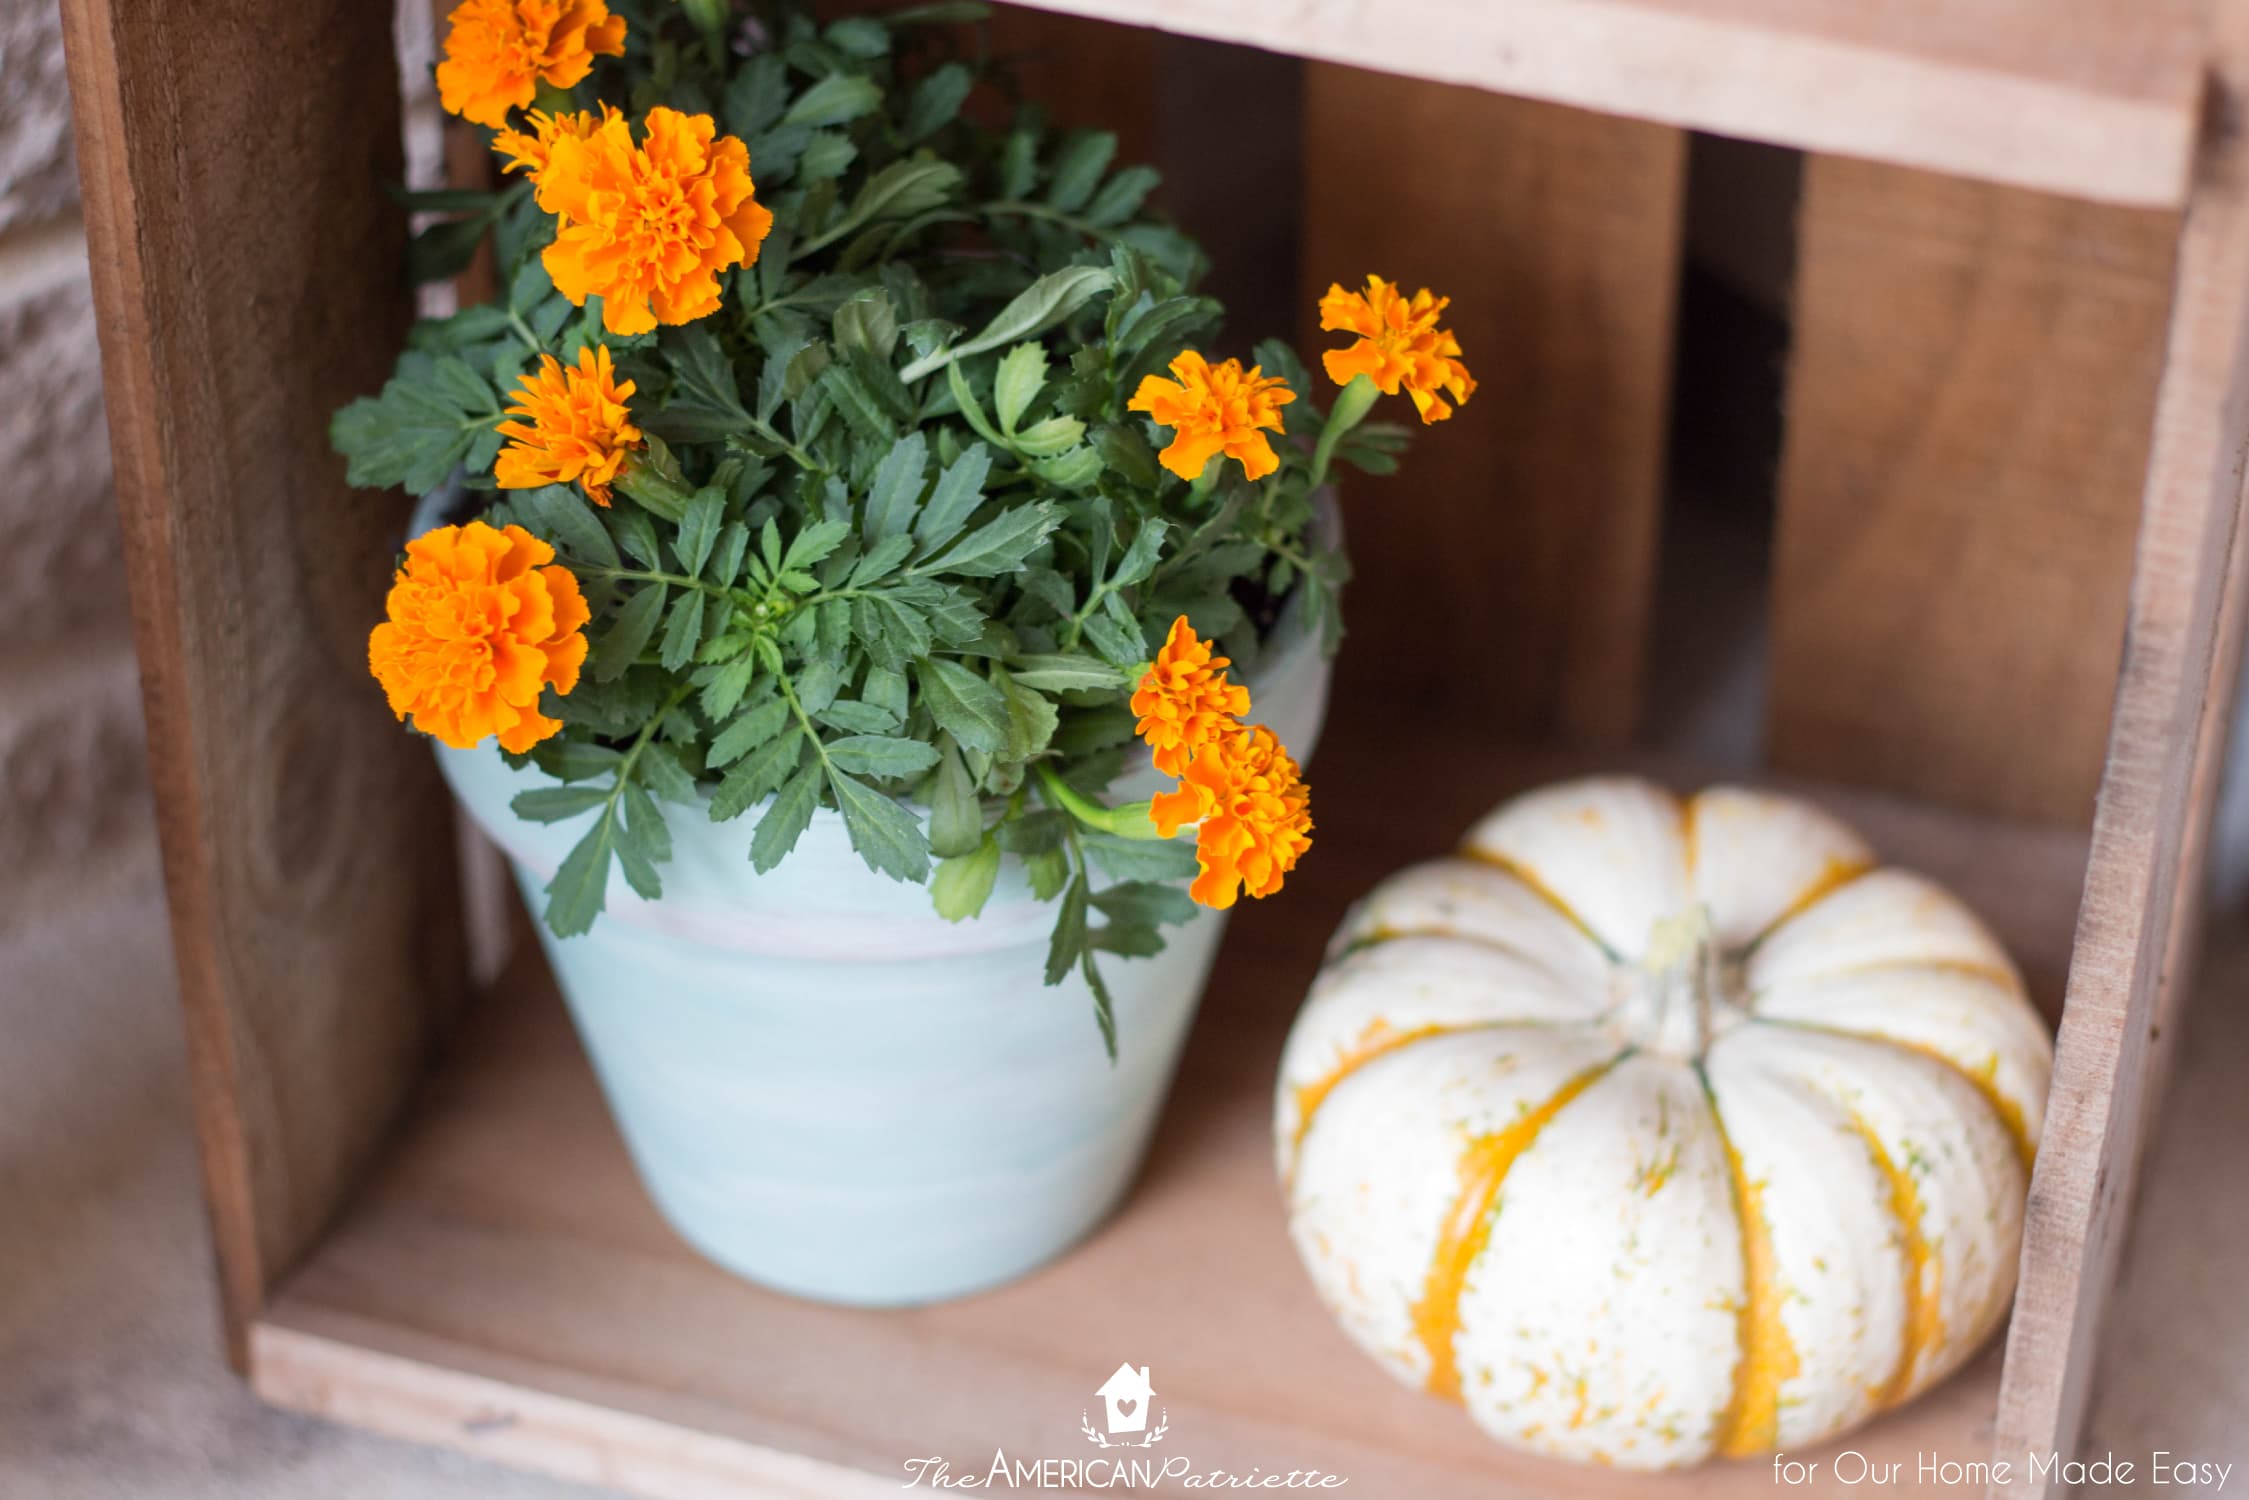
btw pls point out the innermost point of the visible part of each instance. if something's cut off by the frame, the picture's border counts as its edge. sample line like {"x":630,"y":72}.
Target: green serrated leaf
{"x":756,"y":776}
{"x":964,"y":705}
{"x":895,"y":495}
{"x":786,"y":819}
{"x":884,"y":833}
{"x":1077,"y":167}
{"x":880,"y":755}
{"x":1141,"y":859}
{"x":643,"y":842}
{"x":756,"y":96}
{"x":956,"y":814}
{"x":936,"y":100}
{"x":580,"y":887}
{"x":683,"y":633}
{"x":552,"y":804}
{"x":698,"y":529}
{"x":1121,"y":196}
{"x":838,"y":98}
{"x":1000,"y":545}
{"x":659,"y":769}
{"x":1041,"y":305}
{"x":1068,"y":941}
{"x":1030,"y":718}
{"x":1048,"y":870}
{"x":964,"y":883}
{"x":1148,"y":902}
{"x":959,"y":491}
{"x":574,"y":760}
{"x":1020,"y":378}
{"x":1063,"y":672}
{"x":621,"y":646}
{"x":1140,"y":558}
{"x":1104,"y":1008}
{"x":557,"y":514}
{"x":752,"y":729}
{"x":727,"y":685}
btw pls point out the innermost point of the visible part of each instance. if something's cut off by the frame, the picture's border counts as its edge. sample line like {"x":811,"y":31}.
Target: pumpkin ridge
{"x":1924,"y":1273}
{"x":1750,"y":1423}
{"x":1462,"y":1238}
{"x":1380,"y":1040}
{"x":1837,"y":874}
{"x":1983,"y":1080}
{"x":1530,"y":881}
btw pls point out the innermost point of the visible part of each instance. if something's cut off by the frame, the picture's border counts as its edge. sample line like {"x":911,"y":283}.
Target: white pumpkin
{"x":1654,"y":1131}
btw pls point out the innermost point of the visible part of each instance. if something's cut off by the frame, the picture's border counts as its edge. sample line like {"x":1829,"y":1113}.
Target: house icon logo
{"x":1126,"y":1398}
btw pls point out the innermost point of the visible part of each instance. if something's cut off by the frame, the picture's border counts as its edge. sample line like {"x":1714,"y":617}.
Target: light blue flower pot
{"x":829,"y":1089}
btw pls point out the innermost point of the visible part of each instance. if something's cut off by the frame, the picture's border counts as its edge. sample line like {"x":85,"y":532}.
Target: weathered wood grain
{"x":2082,"y":97}
{"x":505,"y":1287}
{"x":2155,"y":797}
{"x":244,"y":265}
{"x":1507,"y":571}
{"x":1969,"y":395}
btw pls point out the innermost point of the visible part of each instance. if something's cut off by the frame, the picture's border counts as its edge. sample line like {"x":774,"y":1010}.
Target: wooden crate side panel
{"x":244,"y":269}
{"x":1969,"y":396}
{"x":1507,"y":570}
{"x":2155,"y":796}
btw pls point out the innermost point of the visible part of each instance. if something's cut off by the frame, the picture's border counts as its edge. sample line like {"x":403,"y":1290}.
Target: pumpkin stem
{"x":1682,"y":965}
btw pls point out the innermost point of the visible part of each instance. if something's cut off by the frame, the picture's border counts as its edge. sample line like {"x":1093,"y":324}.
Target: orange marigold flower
{"x":498,"y":52}
{"x":575,"y":427}
{"x":1215,"y":409}
{"x":1254,"y":812}
{"x":527,"y":151}
{"x":648,"y":228}
{"x":1399,"y":343}
{"x":477,"y":627}
{"x":1184,"y":699}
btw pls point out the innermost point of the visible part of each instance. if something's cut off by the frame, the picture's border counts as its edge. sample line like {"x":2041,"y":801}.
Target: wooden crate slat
{"x":508,"y":1240}
{"x":1508,"y":569}
{"x":229,"y":155}
{"x":2145,"y":862}
{"x":2083,"y":97}
{"x":1972,"y":377}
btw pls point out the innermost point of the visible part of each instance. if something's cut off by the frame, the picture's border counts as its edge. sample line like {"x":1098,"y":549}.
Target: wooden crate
{"x":2006,"y":616}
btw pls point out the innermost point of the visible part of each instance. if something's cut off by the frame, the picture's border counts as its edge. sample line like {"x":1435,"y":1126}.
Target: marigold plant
{"x":648,"y":227}
{"x":1184,"y":699}
{"x":1213,"y":410}
{"x":1252,"y":811}
{"x":1399,"y":344}
{"x":478,"y":626}
{"x":498,"y":52}
{"x":575,"y":427}
{"x":825,"y":446}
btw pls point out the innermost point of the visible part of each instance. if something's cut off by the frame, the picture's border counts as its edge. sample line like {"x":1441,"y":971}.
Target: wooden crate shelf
{"x":504,"y":1286}
{"x":2084,"y":98}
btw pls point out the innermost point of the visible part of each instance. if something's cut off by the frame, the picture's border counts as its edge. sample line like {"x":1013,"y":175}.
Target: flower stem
{"x":1350,"y":409}
{"x":1130,"y":821}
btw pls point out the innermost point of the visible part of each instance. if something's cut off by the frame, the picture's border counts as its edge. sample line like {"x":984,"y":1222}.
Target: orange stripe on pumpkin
{"x":1924,"y":1273}
{"x":1751,"y":1420}
{"x":1467,"y":1229}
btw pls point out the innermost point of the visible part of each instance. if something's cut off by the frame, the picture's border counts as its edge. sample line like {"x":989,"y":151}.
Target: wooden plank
{"x":1970,"y":390}
{"x":1509,"y":566}
{"x":244,"y":263}
{"x":2083,"y":97}
{"x":508,"y":1240}
{"x":2146,"y":847}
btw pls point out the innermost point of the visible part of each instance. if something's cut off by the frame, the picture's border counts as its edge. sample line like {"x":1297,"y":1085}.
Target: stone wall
{"x":74,"y":812}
